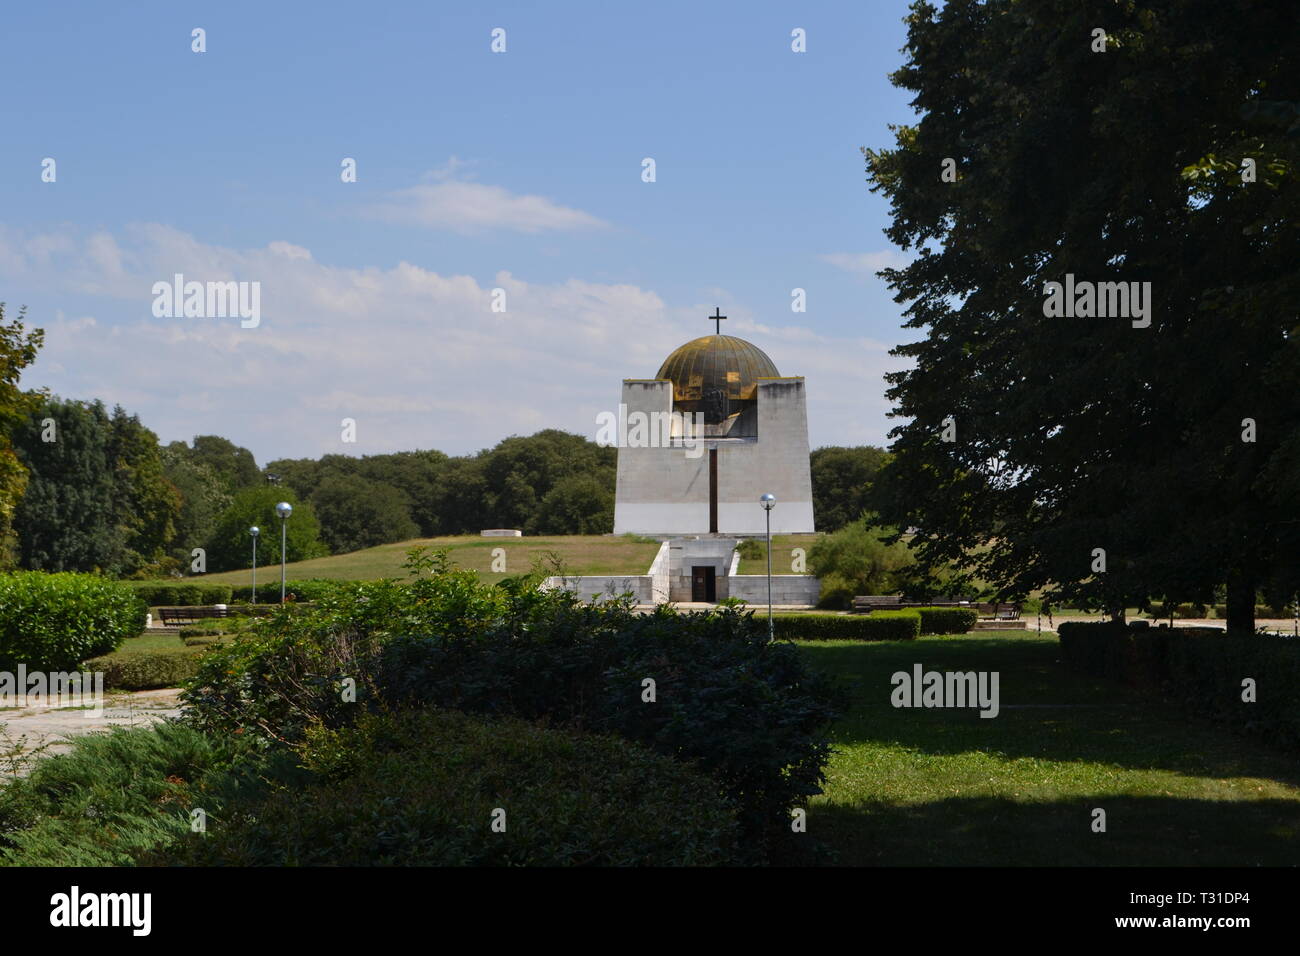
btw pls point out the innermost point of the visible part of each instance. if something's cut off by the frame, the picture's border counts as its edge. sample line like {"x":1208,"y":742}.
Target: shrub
{"x":746,"y":711}
{"x":947,"y":620}
{"x":114,"y":797}
{"x":55,"y":621}
{"x":854,"y":560}
{"x":310,"y":589}
{"x":420,"y":789}
{"x":877,"y":626}
{"x":750,"y":549}
{"x":148,"y":670}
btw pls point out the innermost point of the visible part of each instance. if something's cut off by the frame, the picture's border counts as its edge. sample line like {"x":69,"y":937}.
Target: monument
{"x":738,"y":429}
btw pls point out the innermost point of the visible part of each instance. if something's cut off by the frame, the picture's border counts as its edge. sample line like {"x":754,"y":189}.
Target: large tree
{"x":841,"y":481}
{"x":18,"y":348}
{"x":1039,"y":449}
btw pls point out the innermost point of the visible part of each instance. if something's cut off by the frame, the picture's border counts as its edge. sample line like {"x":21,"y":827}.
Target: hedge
{"x":1201,"y":669}
{"x":53,"y":622}
{"x":422,"y":788}
{"x":181,"y":594}
{"x":309,"y":589}
{"x":947,"y":620}
{"x":877,"y":626}
{"x":148,"y":670}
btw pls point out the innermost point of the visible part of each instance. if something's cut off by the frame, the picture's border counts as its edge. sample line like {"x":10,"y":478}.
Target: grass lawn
{"x":947,"y":787}
{"x":581,"y":554}
{"x":783,"y":546}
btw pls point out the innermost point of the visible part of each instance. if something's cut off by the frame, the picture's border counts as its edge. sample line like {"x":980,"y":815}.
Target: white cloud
{"x":415,"y":356}
{"x":867,"y":263}
{"x":469,"y":207}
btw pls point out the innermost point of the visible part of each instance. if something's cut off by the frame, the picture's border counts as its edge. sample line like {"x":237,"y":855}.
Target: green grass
{"x":581,"y":554}
{"x":946,"y":787}
{"x":783,"y":546}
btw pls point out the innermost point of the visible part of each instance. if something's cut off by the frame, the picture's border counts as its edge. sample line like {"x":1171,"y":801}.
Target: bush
{"x":310,"y":589}
{"x":181,"y":594}
{"x":854,"y":560}
{"x":148,"y":670}
{"x":749,"y":549}
{"x":947,"y":620}
{"x":53,"y":622}
{"x":877,"y":626}
{"x":746,"y":711}
{"x":114,"y":797}
{"x":420,"y":789}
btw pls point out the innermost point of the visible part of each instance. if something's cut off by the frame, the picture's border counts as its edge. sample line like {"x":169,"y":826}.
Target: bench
{"x":866,"y":603}
{"x":999,"y":612}
{"x":189,"y":615}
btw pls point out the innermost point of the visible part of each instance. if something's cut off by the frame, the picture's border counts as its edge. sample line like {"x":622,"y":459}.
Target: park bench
{"x":866,"y":603}
{"x":188,"y":615}
{"x":999,"y":612}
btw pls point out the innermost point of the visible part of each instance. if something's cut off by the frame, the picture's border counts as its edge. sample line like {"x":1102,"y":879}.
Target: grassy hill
{"x":581,"y":554}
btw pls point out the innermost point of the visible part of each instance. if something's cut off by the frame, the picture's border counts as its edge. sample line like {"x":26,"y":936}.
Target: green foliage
{"x":576,"y":504}
{"x":357,"y":513}
{"x":1079,"y":433}
{"x":149,"y":670}
{"x":751,"y":550}
{"x":841,"y":482}
{"x":876,"y":626}
{"x":203,"y":498}
{"x":115,"y":797}
{"x":234,"y":467}
{"x":231,"y":547}
{"x":1202,"y":669}
{"x":53,"y":622}
{"x":855,"y":560}
{"x":947,"y":620}
{"x":18,"y":348}
{"x":268,"y":588}
{"x":744,"y":710}
{"x":181,"y":593}
{"x":420,"y":788}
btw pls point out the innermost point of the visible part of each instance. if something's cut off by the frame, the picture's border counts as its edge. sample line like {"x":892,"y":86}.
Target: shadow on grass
{"x":1046,"y":713}
{"x":1141,"y":831}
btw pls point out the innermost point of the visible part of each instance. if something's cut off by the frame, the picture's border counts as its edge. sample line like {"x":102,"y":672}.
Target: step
{"x":1000,"y":626}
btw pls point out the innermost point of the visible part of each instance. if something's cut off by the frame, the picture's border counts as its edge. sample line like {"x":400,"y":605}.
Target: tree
{"x":146,"y":504}
{"x":66,"y":519}
{"x":18,"y":349}
{"x":576,"y":504}
{"x":203,"y":499}
{"x":841,"y":480}
{"x":855,"y":560}
{"x":1099,"y":456}
{"x":230,"y":546}
{"x":356,"y":513}
{"x":234,"y":466}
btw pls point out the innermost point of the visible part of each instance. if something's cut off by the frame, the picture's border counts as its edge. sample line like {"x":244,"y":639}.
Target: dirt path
{"x":24,"y":730}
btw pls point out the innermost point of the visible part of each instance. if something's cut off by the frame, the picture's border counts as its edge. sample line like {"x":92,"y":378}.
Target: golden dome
{"x":716,"y":362}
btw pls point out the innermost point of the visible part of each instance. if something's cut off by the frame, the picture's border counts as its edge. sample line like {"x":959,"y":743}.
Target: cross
{"x":717,"y":318}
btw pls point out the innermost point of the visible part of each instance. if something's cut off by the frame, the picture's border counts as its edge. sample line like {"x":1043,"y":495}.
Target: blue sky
{"x":475,"y":170}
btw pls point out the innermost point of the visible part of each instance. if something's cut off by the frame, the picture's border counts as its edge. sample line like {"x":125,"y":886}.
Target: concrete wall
{"x":665,"y":491}
{"x":802,"y":589}
{"x":650,"y":588}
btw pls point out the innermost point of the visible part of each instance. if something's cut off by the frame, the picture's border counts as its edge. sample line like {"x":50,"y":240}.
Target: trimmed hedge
{"x":1201,"y":669}
{"x":877,"y":626}
{"x":309,"y":589}
{"x":947,"y":620}
{"x":421,"y":789}
{"x":181,"y":594}
{"x":148,"y":670}
{"x":53,"y":622}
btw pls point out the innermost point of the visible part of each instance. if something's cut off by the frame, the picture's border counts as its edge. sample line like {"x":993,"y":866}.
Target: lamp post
{"x":283,"y":509}
{"x":768,"y":501}
{"x":253,"y":532}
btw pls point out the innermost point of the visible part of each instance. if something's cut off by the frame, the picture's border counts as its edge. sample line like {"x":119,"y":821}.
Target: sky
{"x":520,"y":171}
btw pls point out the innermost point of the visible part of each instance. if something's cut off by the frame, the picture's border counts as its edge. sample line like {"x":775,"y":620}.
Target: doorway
{"x":704,"y":584}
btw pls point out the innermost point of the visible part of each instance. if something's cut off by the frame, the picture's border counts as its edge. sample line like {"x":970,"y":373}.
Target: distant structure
{"x":726,"y":427}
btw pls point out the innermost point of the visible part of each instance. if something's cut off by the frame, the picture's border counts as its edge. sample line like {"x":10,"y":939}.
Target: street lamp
{"x":768,"y":501}
{"x":254,"y":531}
{"x":283,"y":509}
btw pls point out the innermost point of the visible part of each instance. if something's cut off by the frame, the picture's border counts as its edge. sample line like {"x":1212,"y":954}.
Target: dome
{"x":716,"y":363}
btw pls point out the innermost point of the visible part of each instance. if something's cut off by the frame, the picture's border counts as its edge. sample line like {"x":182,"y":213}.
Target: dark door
{"x":704,"y":584}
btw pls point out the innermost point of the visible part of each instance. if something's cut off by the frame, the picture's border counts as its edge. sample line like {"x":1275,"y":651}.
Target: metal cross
{"x":717,"y":318}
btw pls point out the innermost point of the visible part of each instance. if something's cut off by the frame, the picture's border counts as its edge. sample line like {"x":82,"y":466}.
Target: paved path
{"x":27,"y":728}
